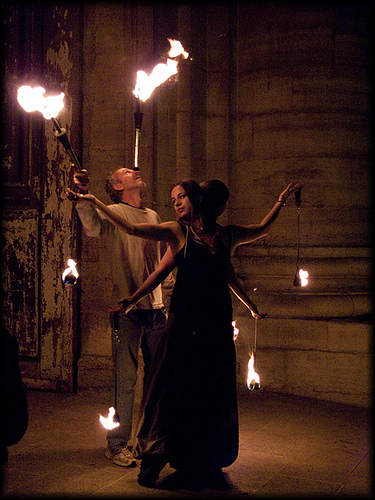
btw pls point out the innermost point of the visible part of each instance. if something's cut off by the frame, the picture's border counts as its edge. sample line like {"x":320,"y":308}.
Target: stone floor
{"x":289,"y":446}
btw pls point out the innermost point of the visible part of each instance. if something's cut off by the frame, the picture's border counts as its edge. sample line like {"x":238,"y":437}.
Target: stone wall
{"x":303,"y":100}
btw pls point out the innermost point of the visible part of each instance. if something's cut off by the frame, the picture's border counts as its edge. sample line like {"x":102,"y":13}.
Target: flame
{"x":108,"y":422}
{"x":161,"y":73}
{"x":303,"y":275}
{"x":253,"y":381}
{"x":177,"y":49}
{"x":235,"y":330}
{"x":32,"y":99}
{"x":70,"y":274}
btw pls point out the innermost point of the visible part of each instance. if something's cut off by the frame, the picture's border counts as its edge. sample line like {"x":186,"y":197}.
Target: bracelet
{"x":281,"y":200}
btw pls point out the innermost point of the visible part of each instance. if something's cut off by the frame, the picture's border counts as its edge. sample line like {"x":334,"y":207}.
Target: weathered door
{"x":39,"y":226}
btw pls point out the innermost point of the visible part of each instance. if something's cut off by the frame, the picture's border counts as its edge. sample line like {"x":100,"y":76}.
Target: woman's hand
{"x":72,"y":196}
{"x":291,"y":188}
{"x":257,"y":315}
{"x":125,"y":305}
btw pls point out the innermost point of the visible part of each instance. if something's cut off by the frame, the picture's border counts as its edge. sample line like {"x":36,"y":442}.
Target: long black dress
{"x":190,"y":412}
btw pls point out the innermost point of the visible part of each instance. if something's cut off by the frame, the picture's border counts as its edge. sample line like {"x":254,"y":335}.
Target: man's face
{"x":127,"y":179}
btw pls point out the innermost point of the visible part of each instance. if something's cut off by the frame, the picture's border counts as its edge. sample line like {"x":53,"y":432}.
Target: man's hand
{"x":81,"y":180}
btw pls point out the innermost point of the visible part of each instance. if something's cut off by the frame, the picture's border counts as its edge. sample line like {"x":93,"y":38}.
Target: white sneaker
{"x":122,"y":457}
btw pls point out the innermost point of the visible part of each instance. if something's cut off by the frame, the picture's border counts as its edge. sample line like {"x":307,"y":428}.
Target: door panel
{"x":21,"y":282}
{"x":39,"y":226}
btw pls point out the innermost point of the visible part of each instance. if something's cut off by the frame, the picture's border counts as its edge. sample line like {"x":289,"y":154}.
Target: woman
{"x":215,"y":197}
{"x":200,"y":364}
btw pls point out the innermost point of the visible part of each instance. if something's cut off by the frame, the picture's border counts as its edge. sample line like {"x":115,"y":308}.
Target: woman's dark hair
{"x":194,"y":193}
{"x":114,"y":194}
{"x":215,"y":196}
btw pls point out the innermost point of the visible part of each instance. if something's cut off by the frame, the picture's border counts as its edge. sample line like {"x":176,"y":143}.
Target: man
{"x":132,"y":259}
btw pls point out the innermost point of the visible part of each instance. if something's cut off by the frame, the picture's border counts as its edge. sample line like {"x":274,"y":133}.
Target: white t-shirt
{"x":132,"y":259}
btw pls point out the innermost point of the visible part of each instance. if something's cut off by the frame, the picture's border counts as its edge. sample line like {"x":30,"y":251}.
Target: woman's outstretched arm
{"x":241,"y":235}
{"x":166,"y":231}
{"x":166,"y":265}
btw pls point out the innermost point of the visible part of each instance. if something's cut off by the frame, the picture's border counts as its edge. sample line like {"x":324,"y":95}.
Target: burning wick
{"x":113,"y":419}
{"x":70,"y":275}
{"x":253,"y":381}
{"x":300,"y":278}
{"x":235,"y":331}
{"x":32,"y":99}
{"x":303,"y":275}
{"x":161,"y":73}
{"x":110,"y":422}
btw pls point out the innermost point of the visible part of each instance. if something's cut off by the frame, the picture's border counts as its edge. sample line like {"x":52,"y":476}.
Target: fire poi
{"x":300,"y":278}
{"x":253,"y":380}
{"x":110,"y":422}
{"x":113,"y":419}
{"x":70,"y":275}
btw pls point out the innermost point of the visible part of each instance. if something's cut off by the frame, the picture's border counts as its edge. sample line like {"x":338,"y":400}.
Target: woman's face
{"x":181,"y":202}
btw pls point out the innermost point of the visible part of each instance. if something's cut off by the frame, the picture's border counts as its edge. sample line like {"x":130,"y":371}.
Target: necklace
{"x":204,"y":239}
